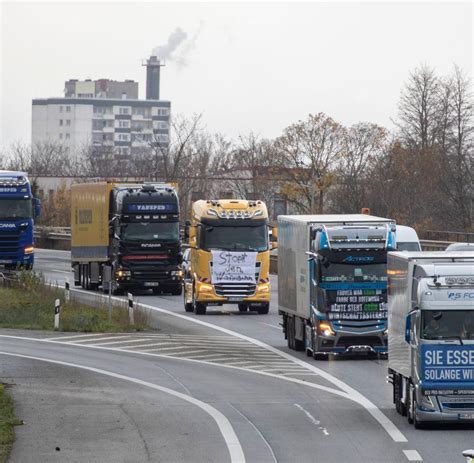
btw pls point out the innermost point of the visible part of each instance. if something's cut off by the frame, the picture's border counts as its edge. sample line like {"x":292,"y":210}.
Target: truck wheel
{"x":243,"y":307}
{"x":264,"y":309}
{"x":188,"y":306}
{"x":200,"y":308}
{"x":416,"y":422}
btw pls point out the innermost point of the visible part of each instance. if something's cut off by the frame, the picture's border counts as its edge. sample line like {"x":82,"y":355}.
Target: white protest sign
{"x":233,"y":267}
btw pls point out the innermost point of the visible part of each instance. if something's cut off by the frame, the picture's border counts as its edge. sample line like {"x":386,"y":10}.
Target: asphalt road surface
{"x":220,"y":387}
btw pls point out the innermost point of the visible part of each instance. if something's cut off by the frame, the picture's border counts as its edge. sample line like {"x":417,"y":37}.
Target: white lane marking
{"x":132,"y":341}
{"x":310,"y":417}
{"x":206,"y":356}
{"x":97,"y":339}
{"x":300,"y":374}
{"x":313,"y":419}
{"x":153,"y":344}
{"x":412,"y":455}
{"x":185,"y":352}
{"x":161,"y":349}
{"x":225,"y":427}
{"x":59,"y":271}
{"x":351,"y":393}
{"x":320,"y":387}
{"x":75,"y":336}
{"x":258,"y":432}
{"x":273,"y":326}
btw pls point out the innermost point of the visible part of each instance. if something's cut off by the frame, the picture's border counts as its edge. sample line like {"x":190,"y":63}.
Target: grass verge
{"x":8,"y":421}
{"x":28,"y":303}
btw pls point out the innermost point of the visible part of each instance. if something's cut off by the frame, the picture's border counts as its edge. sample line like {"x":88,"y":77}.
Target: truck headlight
{"x":265,"y":288}
{"x":177,"y":273}
{"x":29,"y":249}
{"x":205,"y":288}
{"x":385,"y":331}
{"x":326,"y":329}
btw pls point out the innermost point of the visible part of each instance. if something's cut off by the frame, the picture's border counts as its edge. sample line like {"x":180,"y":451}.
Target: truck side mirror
{"x":274,"y":238}
{"x":192,"y":235}
{"x":37,"y":206}
{"x":408,"y":328}
{"x":186,"y":230}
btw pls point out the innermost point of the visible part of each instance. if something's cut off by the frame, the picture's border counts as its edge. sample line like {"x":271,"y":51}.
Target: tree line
{"x":419,"y":173}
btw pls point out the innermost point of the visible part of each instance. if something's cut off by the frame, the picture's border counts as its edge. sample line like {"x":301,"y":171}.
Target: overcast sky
{"x":248,"y":66}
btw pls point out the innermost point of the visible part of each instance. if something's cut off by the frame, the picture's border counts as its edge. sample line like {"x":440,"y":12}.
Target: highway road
{"x":219,"y":387}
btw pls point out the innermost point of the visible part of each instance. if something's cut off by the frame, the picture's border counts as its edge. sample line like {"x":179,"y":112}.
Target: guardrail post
{"x":130,"y":309}
{"x":57,"y":309}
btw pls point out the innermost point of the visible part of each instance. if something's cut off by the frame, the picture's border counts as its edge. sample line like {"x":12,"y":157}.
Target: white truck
{"x":431,"y":335}
{"x":332,"y":282}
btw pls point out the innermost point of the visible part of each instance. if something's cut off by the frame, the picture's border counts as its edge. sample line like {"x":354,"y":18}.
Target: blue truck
{"x":332,"y":282}
{"x":18,"y":209}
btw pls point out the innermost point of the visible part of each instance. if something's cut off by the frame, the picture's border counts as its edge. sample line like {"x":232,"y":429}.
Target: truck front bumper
{"x":351,"y":343}
{"x":206,"y":293}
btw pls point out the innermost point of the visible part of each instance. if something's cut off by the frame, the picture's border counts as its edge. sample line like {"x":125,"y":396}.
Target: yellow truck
{"x":229,"y":261}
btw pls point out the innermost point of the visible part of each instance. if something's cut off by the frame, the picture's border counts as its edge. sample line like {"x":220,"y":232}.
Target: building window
{"x":68,"y":136}
{"x":61,"y":109}
{"x":124,"y":150}
{"x":99,"y":110}
{"x":123,"y":110}
{"x":162,"y":125}
{"x":68,"y":122}
{"x":161,"y":138}
{"x":123,"y":137}
{"x":163,"y":111}
{"x":124,"y":124}
{"x":61,"y":122}
{"x":68,"y":109}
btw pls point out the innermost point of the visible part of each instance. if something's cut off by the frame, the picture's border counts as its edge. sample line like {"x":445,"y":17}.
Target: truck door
{"x":313,"y":271}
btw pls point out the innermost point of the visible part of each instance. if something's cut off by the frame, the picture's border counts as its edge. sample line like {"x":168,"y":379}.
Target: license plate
{"x":235,"y":299}
{"x":5,"y":261}
{"x":151,"y":283}
{"x":466,"y":416}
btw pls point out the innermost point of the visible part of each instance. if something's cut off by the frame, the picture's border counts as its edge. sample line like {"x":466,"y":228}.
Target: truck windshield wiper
{"x":449,"y":338}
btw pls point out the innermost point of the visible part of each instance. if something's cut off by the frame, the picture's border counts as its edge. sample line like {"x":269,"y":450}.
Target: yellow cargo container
{"x":90,"y":206}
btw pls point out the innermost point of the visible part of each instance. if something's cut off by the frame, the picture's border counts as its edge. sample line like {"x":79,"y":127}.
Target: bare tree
{"x":308,"y":151}
{"x":362,"y":144}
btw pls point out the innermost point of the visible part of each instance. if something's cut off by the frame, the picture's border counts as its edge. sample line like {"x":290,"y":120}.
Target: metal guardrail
{"x":437,"y":235}
{"x":53,"y":233}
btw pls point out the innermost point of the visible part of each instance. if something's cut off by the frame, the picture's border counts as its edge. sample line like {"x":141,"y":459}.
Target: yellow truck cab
{"x":229,"y":257}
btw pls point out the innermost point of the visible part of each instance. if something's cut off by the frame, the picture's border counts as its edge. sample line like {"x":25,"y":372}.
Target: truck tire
{"x":200,"y":308}
{"x":188,"y":306}
{"x":293,"y":343}
{"x":264,"y":309}
{"x":243,"y":307}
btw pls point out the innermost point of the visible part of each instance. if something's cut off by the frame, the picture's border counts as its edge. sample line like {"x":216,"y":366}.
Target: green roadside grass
{"x":28,"y":303}
{"x":7,"y":422}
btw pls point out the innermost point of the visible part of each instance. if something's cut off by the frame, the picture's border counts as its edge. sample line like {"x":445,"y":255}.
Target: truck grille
{"x":347,"y":341}
{"x":239,"y":290}
{"x":235,"y":290}
{"x":9,"y":244}
{"x":143,"y":273}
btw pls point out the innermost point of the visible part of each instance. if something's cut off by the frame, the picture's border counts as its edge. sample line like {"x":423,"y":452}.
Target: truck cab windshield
{"x":243,"y":238}
{"x":15,"y":209}
{"x":336,"y":272}
{"x":447,"y":324}
{"x":150,"y":231}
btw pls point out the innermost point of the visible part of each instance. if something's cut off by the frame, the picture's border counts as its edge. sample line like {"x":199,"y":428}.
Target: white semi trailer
{"x":431,"y":335}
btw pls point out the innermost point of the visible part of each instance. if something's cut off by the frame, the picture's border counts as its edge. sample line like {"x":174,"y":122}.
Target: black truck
{"x":126,"y":237}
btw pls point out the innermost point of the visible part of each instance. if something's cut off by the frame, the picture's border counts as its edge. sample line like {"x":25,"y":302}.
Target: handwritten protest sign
{"x":233,"y":267}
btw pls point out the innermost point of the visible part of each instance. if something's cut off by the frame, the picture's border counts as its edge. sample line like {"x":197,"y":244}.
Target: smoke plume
{"x":167,"y":51}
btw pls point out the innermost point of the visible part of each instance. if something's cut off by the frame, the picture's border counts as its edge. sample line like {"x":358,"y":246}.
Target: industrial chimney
{"x":153,"y":78}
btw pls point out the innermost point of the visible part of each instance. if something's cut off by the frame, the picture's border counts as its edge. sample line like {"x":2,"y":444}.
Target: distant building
{"x":105,"y":114}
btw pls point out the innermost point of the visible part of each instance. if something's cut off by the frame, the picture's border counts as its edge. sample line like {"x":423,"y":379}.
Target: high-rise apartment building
{"x":105,"y":113}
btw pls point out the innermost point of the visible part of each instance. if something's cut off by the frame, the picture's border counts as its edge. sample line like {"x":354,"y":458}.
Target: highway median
{"x":8,"y":421}
{"x":27,"y":301}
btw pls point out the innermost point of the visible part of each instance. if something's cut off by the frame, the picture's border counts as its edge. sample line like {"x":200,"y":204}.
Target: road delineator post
{"x":57,"y":309}
{"x":130,"y":309}
{"x":67,"y":291}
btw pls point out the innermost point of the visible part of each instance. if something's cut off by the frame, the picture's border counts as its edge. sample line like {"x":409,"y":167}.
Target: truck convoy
{"x":332,"y":282}
{"x":126,"y":237}
{"x":431,"y":335}
{"x":230,"y":256}
{"x":18,"y":209}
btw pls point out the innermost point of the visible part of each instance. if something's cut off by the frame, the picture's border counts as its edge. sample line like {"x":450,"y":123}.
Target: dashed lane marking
{"x":412,"y":455}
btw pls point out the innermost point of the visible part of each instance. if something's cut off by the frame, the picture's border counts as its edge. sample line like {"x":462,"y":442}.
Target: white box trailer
{"x":332,"y":281}
{"x":431,"y":335}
